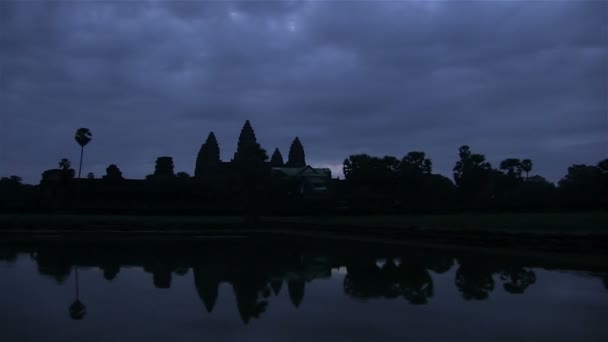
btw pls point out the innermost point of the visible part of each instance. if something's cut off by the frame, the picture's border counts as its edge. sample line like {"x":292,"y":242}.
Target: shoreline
{"x":589,"y":243}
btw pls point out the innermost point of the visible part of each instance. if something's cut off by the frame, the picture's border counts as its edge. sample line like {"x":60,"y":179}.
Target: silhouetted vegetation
{"x":251,"y":185}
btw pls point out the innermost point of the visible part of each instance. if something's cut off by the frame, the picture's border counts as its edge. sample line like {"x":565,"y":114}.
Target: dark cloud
{"x":510,"y":79}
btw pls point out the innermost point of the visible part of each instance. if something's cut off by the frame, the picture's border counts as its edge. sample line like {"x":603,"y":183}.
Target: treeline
{"x":251,"y":184}
{"x":372,"y":185}
{"x":391,"y":185}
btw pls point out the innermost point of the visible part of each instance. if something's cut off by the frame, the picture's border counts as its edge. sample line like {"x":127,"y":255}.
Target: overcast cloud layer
{"x":508,"y":78}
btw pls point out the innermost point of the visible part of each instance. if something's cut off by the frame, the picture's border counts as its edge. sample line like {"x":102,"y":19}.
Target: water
{"x":277,"y":290}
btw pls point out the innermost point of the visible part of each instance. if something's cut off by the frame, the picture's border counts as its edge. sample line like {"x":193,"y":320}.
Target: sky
{"x":523,"y":79}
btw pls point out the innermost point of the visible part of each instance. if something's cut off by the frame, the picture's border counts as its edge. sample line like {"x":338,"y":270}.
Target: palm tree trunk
{"x":80,"y":167}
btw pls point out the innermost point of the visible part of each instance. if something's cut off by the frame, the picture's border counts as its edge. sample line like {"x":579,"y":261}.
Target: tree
{"x":512,"y":167}
{"x":526,"y":166}
{"x":64,"y":164}
{"x":603,"y":166}
{"x":277,"y":159}
{"x":472,"y":175}
{"x":414,"y":172}
{"x":83,"y":137}
{"x":416,"y":163}
{"x":208,"y":156}
{"x":582,"y":187}
{"x":183,"y":175}
{"x":297,"y":158}
{"x":91,"y":175}
{"x":65,"y":170}
{"x":113,"y":173}
{"x":15,"y":180}
{"x":372,"y":181}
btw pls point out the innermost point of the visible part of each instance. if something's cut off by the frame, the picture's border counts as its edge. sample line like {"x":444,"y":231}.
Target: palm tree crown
{"x":83,"y":136}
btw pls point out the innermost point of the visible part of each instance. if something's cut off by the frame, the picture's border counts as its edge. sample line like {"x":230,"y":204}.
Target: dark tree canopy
{"x":584,"y":186}
{"x":512,"y":167}
{"x":182,"y":175}
{"x":277,"y":159}
{"x":297,"y":157}
{"x":416,"y":163}
{"x":526,"y":166}
{"x":249,"y":150}
{"x":64,"y":164}
{"x":113,"y":173}
{"x":472,"y":174}
{"x":208,"y":155}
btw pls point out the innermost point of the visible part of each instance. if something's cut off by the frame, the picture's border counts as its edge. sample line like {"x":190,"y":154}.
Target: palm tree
{"x":65,"y":164}
{"x":83,"y":137}
{"x":526,"y":166}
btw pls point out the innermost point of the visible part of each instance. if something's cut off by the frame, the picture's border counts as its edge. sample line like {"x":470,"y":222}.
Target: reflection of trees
{"x":365,"y":279}
{"x":517,"y":279}
{"x":8,"y":255}
{"x":54,"y":265}
{"x":474,"y":280}
{"x":110,"y":270}
{"x":416,"y":284}
{"x":439,"y":263}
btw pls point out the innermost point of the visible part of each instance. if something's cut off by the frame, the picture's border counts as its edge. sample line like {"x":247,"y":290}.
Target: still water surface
{"x":245,"y":290}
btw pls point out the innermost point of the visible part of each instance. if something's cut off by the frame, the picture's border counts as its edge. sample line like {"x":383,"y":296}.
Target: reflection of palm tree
{"x":77,"y":309}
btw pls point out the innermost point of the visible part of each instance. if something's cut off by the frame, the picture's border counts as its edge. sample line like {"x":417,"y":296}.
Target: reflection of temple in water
{"x":257,"y":278}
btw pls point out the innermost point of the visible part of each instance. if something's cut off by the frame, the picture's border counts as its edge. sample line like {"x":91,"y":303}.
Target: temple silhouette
{"x":250,"y":181}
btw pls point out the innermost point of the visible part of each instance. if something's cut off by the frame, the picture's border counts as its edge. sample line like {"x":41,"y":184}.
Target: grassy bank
{"x":532,"y":223}
{"x":557,"y":232}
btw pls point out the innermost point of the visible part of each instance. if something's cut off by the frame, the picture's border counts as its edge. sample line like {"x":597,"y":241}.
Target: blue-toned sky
{"x":525,"y":79}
